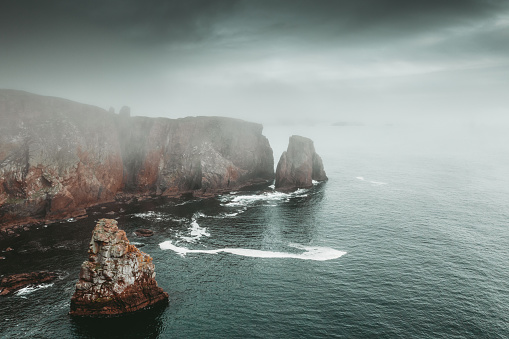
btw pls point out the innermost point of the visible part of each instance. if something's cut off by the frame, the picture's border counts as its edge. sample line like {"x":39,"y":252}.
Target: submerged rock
{"x":144,"y":232}
{"x":117,"y":278}
{"x":299,"y":165}
{"x":14,"y":282}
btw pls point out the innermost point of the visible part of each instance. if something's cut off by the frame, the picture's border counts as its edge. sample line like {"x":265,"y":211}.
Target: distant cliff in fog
{"x":58,"y":157}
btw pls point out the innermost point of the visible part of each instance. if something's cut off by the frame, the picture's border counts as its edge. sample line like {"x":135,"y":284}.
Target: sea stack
{"x":117,"y":278}
{"x":299,"y":165}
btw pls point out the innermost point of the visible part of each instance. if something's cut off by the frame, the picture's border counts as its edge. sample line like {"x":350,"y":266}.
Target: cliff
{"x":117,"y":278}
{"x":58,"y":157}
{"x":299,"y":165}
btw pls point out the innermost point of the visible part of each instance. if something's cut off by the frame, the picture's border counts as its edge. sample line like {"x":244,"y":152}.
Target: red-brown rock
{"x":58,"y":157}
{"x":117,"y":278}
{"x":299,"y":165}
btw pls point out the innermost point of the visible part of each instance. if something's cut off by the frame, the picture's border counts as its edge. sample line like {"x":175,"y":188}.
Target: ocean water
{"x":408,"y":239}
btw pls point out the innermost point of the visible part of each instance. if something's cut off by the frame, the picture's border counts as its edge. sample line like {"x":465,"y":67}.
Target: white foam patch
{"x":30,"y":289}
{"x":187,"y":202}
{"x":268,"y":197}
{"x":152,"y":215}
{"x":195,"y":232}
{"x":310,"y":252}
{"x":378,"y":183}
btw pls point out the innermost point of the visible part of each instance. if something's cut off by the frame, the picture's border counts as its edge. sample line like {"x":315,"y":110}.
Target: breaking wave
{"x":265,"y":197}
{"x":30,"y":289}
{"x":310,"y":252}
{"x":152,"y":215}
{"x":195,"y":231}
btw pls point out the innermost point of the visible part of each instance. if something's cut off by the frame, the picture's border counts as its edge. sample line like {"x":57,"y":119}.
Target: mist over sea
{"x":408,"y":239}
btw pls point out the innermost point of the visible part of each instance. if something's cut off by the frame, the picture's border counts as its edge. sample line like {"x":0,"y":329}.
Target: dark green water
{"x":423,"y":217}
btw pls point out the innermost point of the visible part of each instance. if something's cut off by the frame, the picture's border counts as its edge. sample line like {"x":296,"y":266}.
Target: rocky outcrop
{"x":14,"y":282}
{"x":58,"y":157}
{"x":117,"y":278}
{"x":299,"y":165}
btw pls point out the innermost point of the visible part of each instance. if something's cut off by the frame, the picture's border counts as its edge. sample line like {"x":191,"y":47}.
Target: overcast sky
{"x":264,"y":61}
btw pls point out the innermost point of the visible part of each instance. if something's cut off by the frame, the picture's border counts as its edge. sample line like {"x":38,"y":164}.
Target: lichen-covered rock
{"x":299,"y":165}
{"x":117,"y":278}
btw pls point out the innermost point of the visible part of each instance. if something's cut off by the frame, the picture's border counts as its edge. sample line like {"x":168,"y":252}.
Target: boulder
{"x":299,"y":165}
{"x":117,"y":278}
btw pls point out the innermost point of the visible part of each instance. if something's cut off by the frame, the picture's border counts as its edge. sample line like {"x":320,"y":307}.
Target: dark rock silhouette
{"x":117,"y":278}
{"x":299,"y":165}
{"x":58,"y":157}
{"x":14,"y":282}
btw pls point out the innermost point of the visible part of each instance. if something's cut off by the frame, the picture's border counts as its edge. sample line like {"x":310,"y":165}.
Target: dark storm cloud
{"x":258,"y":58}
{"x":159,"y":21}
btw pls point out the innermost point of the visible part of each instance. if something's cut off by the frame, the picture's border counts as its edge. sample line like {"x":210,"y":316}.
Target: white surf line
{"x":30,"y":289}
{"x":311,"y":253}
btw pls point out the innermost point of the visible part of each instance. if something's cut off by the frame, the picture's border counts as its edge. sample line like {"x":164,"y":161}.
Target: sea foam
{"x":310,"y":252}
{"x":30,"y":289}
{"x":266,"y":197}
{"x":195,"y":232}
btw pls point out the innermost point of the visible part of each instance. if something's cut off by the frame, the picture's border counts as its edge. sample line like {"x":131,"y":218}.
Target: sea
{"x":409,"y":238}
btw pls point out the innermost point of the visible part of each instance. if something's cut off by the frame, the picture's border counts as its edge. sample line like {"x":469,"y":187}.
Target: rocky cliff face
{"x":117,"y":278}
{"x":205,"y":155}
{"x":299,"y":165}
{"x":58,"y":157}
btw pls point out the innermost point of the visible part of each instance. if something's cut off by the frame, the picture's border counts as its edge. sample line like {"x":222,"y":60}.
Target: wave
{"x":30,"y":289}
{"x":195,"y":232}
{"x":266,"y":197}
{"x":187,"y":202}
{"x":372,"y":182}
{"x":152,"y":215}
{"x":310,"y":252}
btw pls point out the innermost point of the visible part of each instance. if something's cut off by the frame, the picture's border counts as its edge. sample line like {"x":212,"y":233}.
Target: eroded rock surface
{"x":299,"y":165}
{"x":117,"y":278}
{"x":58,"y":157}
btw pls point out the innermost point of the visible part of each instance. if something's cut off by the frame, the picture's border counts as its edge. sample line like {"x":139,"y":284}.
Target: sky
{"x":265,"y":61}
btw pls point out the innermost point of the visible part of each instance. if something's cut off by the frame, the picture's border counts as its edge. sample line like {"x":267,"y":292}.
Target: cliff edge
{"x":58,"y":157}
{"x":299,"y":165}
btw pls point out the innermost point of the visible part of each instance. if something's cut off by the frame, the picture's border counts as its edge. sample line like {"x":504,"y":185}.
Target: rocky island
{"x":117,"y":278}
{"x":299,"y":165}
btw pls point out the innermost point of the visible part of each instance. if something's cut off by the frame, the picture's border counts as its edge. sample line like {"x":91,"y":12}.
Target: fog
{"x":273,"y":62}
